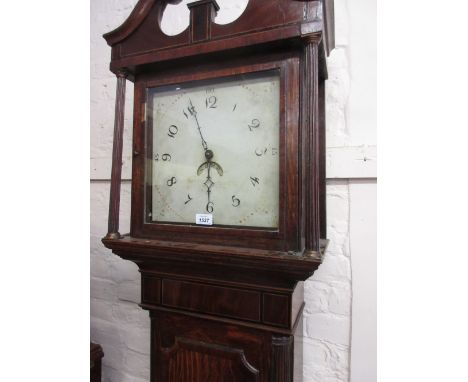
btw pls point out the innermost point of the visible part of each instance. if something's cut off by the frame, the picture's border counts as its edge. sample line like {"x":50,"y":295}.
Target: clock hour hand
{"x":209,"y":182}
{"x":209,"y":164}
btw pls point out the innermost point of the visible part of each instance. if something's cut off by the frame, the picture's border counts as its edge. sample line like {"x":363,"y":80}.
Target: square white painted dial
{"x":215,"y":150}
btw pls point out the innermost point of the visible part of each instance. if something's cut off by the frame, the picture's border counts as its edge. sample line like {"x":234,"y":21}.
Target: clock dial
{"x":215,"y":149}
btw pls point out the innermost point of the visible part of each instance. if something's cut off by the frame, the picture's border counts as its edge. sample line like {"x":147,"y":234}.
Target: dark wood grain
{"x":140,"y":40}
{"x":136,"y":17}
{"x":226,"y":302}
{"x":236,"y":353}
{"x":311,"y":148}
{"x":116,"y":175}
{"x":96,"y":362}
{"x":150,"y":289}
{"x":276,"y":309}
{"x":322,"y":159}
{"x":213,"y":299}
{"x":275,"y":266}
{"x":275,"y":14}
{"x":282,"y":358}
{"x":202,"y":15}
{"x":196,"y":361}
{"x":329,"y":24}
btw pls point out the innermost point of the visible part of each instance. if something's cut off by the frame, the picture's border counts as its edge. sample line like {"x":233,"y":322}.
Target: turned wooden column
{"x":312,"y":142}
{"x":282,"y":358}
{"x":322,"y":164}
{"x":116,"y":174}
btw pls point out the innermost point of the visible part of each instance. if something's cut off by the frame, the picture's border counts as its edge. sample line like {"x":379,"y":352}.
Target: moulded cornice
{"x":141,"y":11}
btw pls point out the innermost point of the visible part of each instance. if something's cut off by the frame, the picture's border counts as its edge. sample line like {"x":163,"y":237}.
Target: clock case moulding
{"x":231,"y":280}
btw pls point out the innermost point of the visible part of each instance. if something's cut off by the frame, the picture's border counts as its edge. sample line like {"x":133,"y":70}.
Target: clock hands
{"x":209,"y":182}
{"x":205,"y":165}
{"x":193,"y":112}
{"x":208,"y":164}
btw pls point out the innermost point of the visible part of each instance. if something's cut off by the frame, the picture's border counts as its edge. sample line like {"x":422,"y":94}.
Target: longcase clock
{"x":228,"y":182}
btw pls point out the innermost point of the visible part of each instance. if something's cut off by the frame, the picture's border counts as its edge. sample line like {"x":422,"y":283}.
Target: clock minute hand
{"x":208,"y":153}
{"x":209,"y":163}
{"x":193,"y":112}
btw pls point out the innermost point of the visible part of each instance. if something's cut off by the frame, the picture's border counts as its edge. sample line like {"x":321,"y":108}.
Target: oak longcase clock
{"x":228,"y":182}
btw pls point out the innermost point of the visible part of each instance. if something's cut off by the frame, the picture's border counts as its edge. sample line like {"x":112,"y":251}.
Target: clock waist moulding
{"x":225,"y":301}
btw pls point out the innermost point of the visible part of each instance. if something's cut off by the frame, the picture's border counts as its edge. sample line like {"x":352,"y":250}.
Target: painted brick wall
{"x":117,"y":323}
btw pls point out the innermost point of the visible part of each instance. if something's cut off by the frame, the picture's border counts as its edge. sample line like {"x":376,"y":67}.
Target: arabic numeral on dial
{"x":164,"y":157}
{"x":255,"y":124}
{"x":263,"y":151}
{"x":210,"y":207}
{"x":210,"y":102}
{"x":173,"y":129}
{"x":235,"y":201}
{"x":172,"y":181}
{"x":260,"y":152}
{"x":254,"y":181}
{"x":191,"y":110}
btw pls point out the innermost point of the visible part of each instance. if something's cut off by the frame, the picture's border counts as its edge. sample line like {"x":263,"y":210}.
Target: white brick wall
{"x":117,"y":323}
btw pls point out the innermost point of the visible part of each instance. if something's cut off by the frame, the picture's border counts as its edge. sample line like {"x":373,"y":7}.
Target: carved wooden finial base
{"x":113,"y":236}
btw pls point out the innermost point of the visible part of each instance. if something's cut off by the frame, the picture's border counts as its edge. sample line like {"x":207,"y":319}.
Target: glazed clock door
{"x":215,"y":150}
{"x":218,"y":145}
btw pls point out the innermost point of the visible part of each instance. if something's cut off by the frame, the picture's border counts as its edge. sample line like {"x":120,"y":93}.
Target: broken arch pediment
{"x":141,"y":38}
